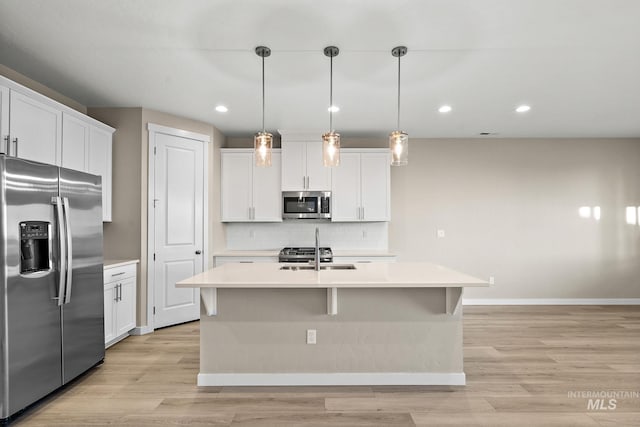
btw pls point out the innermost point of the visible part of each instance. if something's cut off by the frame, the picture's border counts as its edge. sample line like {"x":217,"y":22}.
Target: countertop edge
{"x":113,"y":263}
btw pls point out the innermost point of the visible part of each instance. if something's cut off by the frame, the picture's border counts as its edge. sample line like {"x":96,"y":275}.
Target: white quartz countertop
{"x":369,"y":275}
{"x":112,"y":263}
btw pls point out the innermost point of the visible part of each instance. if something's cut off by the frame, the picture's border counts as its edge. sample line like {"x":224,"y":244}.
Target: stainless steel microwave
{"x":306,"y":205}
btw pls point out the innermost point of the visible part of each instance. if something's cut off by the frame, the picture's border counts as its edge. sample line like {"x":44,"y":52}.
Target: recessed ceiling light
{"x":445,"y":109}
{"x":333,"y":109}
{"x":523,"y":108}
{"x":221,"y":109}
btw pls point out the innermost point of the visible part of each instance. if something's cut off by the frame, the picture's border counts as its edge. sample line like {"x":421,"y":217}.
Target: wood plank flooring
{"x":521,"y":363}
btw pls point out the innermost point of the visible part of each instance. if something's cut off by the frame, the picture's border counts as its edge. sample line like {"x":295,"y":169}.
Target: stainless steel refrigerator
{"x":51,"y":289}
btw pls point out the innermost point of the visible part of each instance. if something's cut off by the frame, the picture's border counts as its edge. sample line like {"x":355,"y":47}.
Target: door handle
{"x":6,"y":145}
{"x":67,"y":222}
{"x":15,"y":141}
{"x":198,"y":252}
{"x":62,"y":248}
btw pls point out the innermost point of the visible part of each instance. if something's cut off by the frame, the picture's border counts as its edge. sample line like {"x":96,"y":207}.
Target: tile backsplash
{"x":259,"y":236}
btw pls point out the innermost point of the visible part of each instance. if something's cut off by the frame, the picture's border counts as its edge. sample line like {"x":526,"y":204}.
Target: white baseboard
{"x":141,"y":330}
{"x":551,"y":301}
{"x":335,"y":378}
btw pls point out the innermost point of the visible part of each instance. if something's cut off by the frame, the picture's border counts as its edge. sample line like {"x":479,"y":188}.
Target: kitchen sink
{"x":322,"y":267}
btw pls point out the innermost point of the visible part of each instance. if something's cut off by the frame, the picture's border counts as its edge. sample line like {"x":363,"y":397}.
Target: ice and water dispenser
{"x":34,"y":247}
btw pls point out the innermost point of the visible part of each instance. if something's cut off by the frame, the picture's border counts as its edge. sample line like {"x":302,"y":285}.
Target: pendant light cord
{"x":331,"y":95}
{"x":263,"y":94}
{"x":398,"y":92}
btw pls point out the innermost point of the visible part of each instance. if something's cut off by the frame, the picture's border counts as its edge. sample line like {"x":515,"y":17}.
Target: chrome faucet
{"x":317,"y":254}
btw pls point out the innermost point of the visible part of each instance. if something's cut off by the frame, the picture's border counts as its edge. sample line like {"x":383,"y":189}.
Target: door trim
{"x":155,"y":129}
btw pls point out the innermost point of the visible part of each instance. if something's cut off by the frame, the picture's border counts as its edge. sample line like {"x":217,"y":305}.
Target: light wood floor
{"x":521,"y":362}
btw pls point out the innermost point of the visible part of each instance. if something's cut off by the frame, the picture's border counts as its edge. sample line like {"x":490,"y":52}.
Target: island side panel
{"x":398,"y":330}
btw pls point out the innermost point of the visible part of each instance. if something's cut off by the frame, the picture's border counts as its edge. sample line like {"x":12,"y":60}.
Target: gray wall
{"x":509,"y":208}
{"x":126,"y":236}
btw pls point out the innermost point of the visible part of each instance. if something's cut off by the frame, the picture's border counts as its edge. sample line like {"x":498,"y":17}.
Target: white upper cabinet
{"x":375,"y":186}
{"x":75,"y":143}
{"x":361,"y":186}
{"x":249,"y":192}
{"x":99,"y":162}
{"x":345,"y":194}
{"x":302,"y":167}
{"x":4,"y":119}
{"x":87,"y":148}
{"x":36,"y":129}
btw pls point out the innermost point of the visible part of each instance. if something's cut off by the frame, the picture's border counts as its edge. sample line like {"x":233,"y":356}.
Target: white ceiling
{"x":576,"y":62}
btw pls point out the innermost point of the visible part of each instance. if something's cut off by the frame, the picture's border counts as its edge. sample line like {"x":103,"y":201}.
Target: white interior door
{"x":178,"y":222}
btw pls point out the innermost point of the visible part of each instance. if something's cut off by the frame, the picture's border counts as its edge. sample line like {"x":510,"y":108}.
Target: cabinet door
{"x":99,"y":163}
{"x":236,"y":171}
{"x":4,"y":119}
{"x":36,"y":130}
{"x":75,"y":143}
{"x":109,"y":312}
{"x":319,"y":176}
{"x":267,"y":197}
{"x":375,"y":186}
{"x":293,"y":166}
{"x":126,"y":306}
{"x":345,"y":190}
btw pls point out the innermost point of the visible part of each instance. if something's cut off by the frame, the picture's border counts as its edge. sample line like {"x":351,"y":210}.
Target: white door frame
{"x":155,"y":129}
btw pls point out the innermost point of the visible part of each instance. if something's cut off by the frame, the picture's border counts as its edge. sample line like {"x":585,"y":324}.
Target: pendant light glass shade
{"x":331,"y":139}
{"x":330,"y":149}
{"x":399,"y":140}
{"x":262,"y":145}
{"x":263,"y":141}
{"x":399,"y":147}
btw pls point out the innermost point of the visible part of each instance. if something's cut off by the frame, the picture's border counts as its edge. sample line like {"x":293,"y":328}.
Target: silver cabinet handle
{"x":6,"y":145}
{"x":120,"y":292}
{"x":67,"y":223}
{"x":62,"y":248}
{"x":15,"y":141}
{"x":362,"y":213}
{"x":115,"y":298}
{"x":308,"y":182}
{"x":117,"y":274}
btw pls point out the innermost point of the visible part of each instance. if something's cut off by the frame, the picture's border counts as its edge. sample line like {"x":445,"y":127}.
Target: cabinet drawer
{"x":112,"y":274}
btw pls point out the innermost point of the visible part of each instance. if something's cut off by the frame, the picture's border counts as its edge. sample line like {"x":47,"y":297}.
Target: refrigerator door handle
{"x":69,"y":266}
{"x":62,"y":248}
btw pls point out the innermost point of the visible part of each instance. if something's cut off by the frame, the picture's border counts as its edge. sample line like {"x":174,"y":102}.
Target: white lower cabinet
{"x":119,"y":302}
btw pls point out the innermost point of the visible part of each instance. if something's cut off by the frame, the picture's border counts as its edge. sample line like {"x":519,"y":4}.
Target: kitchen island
{"x":376,"y":324}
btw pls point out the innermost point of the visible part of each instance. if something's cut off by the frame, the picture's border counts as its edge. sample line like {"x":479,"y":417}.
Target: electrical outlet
{"x":440,"y":234}
{"x":311,"y":336}
{"x":492,"y":280}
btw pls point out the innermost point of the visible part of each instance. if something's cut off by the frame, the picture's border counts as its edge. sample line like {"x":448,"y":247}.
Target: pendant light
{"x":331,"y":139}
{"x":263,"y":141}
{"x":399,"y":140}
